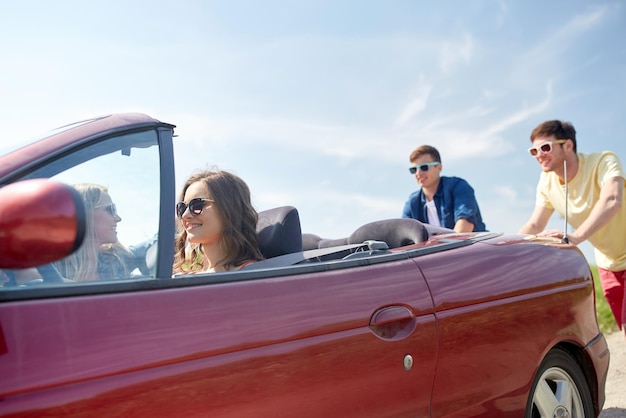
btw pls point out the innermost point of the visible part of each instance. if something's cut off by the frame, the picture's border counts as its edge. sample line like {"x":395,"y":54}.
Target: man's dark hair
{"x":560,"y":130}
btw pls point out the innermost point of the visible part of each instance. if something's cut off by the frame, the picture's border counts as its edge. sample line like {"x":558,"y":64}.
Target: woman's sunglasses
{"x":423,"y":167}
{"x":109,"y":208}
{"x":195,"y":206}
{"x":545,"y":147}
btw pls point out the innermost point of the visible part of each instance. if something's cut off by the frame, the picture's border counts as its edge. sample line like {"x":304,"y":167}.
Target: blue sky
{"x":317,"y":104}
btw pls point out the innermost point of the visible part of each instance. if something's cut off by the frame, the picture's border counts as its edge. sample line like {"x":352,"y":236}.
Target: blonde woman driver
{"x":102,"y":256}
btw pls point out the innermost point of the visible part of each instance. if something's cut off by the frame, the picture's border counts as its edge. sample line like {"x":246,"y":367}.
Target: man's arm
{"x":463,"y":225}
{"x":407,"y":211}
{"x":538,"y":221}
{"x":465,"y":207}
{"x":606,"y":207}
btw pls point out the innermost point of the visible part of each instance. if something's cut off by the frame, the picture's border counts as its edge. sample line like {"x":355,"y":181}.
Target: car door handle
{"x":392,"y":322}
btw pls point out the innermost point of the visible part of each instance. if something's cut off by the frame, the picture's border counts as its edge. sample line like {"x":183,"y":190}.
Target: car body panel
{"x":315,"y":330}
{"x":478,"y":317}
{"x":456,"y":325}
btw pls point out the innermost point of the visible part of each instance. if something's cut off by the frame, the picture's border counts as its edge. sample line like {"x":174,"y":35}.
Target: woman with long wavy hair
{"x":217,"y":228}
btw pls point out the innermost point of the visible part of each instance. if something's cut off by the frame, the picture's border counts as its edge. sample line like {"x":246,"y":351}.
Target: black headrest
{"x":310,"y":241}
{"x":279,"y":231}
{"x":395,"y":232}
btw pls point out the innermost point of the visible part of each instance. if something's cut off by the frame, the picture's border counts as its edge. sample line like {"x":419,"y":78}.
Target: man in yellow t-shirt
{"x":596,"y":203}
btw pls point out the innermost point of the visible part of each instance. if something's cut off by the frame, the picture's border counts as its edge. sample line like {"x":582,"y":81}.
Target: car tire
{"x":559,"y":389}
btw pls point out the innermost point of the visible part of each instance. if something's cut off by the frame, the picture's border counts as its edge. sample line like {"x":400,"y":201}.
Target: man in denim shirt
{"x":442,"y":201}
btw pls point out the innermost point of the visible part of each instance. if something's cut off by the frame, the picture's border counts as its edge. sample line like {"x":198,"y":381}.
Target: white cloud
{"x":521,"y":115}
{"x":451,"y":53}
{"x":417,"y":105}
{"x":546,"y":59}
{"x":564,"y":36}
{"x":502,"y":14}
{"x":506,"y":193}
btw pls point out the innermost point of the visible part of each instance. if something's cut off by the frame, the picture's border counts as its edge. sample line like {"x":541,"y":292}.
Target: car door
{"x":296,"y":345}
{"x":346,"y":338}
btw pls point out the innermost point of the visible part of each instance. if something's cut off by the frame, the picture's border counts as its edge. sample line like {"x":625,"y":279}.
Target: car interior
{"x":283,"y":244}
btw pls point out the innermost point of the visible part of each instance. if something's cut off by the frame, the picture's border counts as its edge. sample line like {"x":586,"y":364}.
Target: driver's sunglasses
{"x":109,"y":208}
{"x":423,"y":167}
{"x":546,"y":147}
{"x":195,"y":206}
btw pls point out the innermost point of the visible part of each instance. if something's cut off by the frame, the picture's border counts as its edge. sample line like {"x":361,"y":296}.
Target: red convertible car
{"x":398,"y":319}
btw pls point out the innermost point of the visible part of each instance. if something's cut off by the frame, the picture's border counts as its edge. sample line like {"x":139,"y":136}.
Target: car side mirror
{"x":41,"y":221}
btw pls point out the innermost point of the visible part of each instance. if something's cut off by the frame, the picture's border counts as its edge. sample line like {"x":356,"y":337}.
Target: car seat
{"x":279,"y":232}
{"x":310,"y":241}
{"x":395,"y":232}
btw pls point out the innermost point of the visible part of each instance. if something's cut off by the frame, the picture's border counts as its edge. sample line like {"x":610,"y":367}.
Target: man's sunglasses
{"x":423,"y":167}
{"x":546,"y":147}
{"x":195,"y":206}
{"x":109,"y":208}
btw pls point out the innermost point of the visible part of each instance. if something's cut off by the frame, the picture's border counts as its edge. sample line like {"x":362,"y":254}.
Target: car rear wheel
{"x":560,"y":389}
